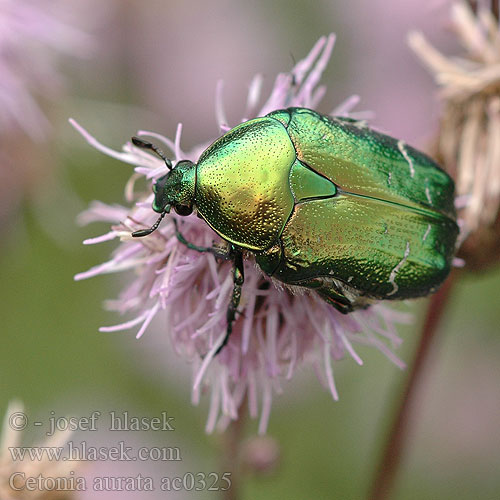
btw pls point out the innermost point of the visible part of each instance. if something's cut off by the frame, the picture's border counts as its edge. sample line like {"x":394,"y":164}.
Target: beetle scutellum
{"x":324,"y":203}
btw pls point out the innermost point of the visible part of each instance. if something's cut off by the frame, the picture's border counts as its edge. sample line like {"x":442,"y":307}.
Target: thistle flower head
{"x":275,"y":330}
{"x":31,"y":40}
{"x":468,"y":143}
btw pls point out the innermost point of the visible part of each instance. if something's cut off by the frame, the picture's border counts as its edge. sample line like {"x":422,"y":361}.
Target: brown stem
{"x":398,"y":435}
{"x":494,"y":8}
{"x":473,"y":5}
{"x":231,"y":448}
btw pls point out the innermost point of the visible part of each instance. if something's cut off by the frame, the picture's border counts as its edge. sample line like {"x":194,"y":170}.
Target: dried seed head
{"x":468,"y":144}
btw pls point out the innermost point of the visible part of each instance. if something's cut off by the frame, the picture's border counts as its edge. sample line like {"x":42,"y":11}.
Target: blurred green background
{"x":155,"y":64}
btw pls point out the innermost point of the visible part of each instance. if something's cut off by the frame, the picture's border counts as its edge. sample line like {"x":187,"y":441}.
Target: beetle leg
{"x":336,"y":299}
{"x":218,"y":253}
{"x":331,"y":294}
{"x":238,"y":279}
{"x":334,"y":296}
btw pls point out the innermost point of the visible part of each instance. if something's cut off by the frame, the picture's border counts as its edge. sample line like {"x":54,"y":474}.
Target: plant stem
{"x":495,"y":8}
{"x":398,"y":435}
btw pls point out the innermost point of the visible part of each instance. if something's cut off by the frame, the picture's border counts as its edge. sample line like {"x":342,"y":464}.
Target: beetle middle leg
{"x":238,"y":277}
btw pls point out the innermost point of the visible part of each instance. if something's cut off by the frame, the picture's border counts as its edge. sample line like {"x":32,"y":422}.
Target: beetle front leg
{"x":218,"y":253}
{"x":238,"y":279}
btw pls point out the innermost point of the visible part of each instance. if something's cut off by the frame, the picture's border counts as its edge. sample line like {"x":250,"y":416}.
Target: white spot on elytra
{"x":428,"y":193}
{"x":395,"y":271}
{"x":402,"y":149}
{"x":427,"y":231}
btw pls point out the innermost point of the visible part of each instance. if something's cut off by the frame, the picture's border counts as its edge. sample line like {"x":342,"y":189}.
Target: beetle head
{"x":174,"y":189}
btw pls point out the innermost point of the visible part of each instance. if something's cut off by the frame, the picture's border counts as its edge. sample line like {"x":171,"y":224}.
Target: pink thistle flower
{"x":31,"y":41}
{"x":277,"y":330}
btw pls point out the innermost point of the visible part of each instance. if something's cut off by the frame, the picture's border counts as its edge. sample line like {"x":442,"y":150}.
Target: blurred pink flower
{"x":54,"y":479}
{"x":276,"y":330}
{"x":31,"y":41}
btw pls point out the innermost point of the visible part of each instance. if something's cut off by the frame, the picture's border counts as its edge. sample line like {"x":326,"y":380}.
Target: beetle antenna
{"x":149,"y":145}
{"x":154,"y":227}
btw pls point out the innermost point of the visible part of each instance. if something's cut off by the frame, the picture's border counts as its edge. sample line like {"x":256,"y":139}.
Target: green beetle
{"x":322,"y":202}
